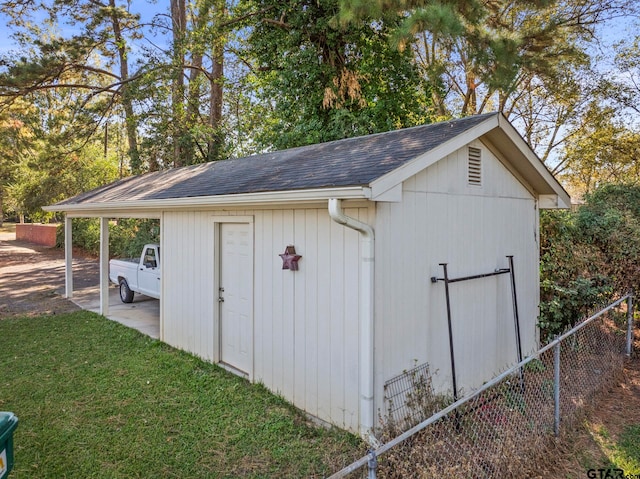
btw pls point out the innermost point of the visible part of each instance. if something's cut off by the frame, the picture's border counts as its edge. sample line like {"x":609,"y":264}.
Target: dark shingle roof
{"x":349,"y":162}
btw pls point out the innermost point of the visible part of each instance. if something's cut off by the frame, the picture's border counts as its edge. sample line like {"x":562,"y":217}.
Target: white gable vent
{"x":474,"y":169}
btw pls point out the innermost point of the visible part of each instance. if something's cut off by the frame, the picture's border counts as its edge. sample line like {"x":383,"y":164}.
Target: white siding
{"x":442,"y":219}
{"x":188,"y":296}
{"x":305,"y":322}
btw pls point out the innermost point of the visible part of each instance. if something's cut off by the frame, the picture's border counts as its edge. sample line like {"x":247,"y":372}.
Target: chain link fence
{"x":500,"y":429}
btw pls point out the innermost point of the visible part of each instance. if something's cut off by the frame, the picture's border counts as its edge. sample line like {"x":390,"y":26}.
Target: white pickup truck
{"x":137,"y":275}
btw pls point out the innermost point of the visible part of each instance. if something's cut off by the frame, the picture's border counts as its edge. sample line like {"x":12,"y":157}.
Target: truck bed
{"x":128,"y":260}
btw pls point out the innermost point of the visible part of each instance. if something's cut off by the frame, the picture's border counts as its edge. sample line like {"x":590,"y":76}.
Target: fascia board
{"x":248,"y":199}
{"x":386,"y":182}
{"x":115,"y":213}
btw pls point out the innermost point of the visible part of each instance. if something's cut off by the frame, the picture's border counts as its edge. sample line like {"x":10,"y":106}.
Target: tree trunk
{"x":215,"y":148}
{"x":1,"y":208}
{"x":215,"y":111}
{"x":179,"y":25}
{"x":193,"y":104}
{"x":127,"y":102}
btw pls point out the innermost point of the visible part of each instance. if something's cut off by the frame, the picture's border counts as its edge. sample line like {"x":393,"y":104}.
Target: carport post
{"x":68,"y":258}
{"x":104,"y":266}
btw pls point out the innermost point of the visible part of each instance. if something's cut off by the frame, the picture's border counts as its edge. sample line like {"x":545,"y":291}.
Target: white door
{"x":236,"y":296}
{"x":149,"y":274}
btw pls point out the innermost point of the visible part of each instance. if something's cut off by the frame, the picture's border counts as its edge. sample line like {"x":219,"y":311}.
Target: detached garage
{"x":268,"y":261}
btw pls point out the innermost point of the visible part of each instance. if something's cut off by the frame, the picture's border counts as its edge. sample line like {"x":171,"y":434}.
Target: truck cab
{"x":149,"y":271}
{"x":137,"y":275}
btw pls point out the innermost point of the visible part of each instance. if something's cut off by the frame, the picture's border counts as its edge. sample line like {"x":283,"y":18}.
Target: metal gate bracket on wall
{"x":447,"y":281}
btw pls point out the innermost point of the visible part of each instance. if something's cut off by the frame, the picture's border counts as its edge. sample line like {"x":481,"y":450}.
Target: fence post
{"x":629,"y":323}
{"x":556,"y":388}
{"x":372,"y":464}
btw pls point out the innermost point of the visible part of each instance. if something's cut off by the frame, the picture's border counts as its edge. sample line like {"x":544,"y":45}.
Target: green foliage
{"x":127,"y":237}
{"x":89,"y":67}
{"x":571,"y":282}
{"x":85,"y":233}
{"x":564,"y":306}
{"x":625,"y":88}
{"x":235,"y":78}
{"x":619,"y":451}
{"x":526,"y":59}
{"x":480,"y":48}
{"x":15,"y":141}
{"x":53,"y":175}
{"x":588,"y":254}
{"x":604,"y":150}
{"x":610,"y":221}
{"x":446,"y":17}
{"x":327,"y":82}
{"x":628,"y":449}
{"x":47,"y":160}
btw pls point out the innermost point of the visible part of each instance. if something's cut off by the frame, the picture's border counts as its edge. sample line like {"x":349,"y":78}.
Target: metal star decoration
{"x":290,"y":258}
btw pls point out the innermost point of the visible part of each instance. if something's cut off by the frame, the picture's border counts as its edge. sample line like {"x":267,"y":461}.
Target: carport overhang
{"x":104,"y":251}
{"x":153,"y":209}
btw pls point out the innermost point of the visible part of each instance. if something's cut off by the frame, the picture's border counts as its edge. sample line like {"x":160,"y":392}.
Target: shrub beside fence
{"x":499,"y":429}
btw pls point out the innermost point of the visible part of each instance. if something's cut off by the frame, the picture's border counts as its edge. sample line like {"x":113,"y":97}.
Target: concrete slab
{"x":143,"y":314}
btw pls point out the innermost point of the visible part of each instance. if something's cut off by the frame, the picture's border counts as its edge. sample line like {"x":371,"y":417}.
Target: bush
{"x":126,"y":236}
{"x":85,"y":233}
{"x":610,"y":221}
{"x":588,"y":255}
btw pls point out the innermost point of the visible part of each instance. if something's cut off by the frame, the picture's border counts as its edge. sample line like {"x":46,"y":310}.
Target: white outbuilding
{"x":411,"y":248}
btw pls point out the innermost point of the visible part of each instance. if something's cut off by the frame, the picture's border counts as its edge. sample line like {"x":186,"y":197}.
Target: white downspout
{"x":366,"y":318}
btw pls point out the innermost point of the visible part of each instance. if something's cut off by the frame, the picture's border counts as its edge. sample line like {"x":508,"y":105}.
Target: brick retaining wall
{"x":44,"y":235}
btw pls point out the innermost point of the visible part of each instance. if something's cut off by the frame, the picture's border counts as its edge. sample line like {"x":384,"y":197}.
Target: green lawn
{"x":623,"y":452}
{"x":627,"y":455}
{"x":95,"y":399}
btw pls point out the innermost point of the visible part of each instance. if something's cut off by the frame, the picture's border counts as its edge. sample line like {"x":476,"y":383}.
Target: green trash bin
{"x":8,"y":424}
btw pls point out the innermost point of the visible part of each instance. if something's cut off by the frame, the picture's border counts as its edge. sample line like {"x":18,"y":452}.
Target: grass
{"x":628,"y":449}
{"x":98,"y":400}
{"x":622,"y":452}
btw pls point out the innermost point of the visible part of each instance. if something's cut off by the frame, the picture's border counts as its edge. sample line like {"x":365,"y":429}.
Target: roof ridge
{"x":371,"y":135}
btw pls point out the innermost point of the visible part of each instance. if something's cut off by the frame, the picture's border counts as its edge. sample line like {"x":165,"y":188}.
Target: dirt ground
{"x":32,"y":283}
{"x":32,"y":278}
{"x":589,"y":443}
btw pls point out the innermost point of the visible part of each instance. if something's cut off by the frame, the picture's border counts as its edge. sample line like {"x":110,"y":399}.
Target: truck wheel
{"x":126,"y":295}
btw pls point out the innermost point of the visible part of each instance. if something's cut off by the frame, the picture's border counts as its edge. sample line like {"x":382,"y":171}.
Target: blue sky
{"x":615,"y":31}
{"x":146,"y":8}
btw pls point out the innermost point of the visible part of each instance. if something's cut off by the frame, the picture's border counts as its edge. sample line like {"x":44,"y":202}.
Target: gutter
{"x":366,"y":317}
{"x":97,"y":207}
